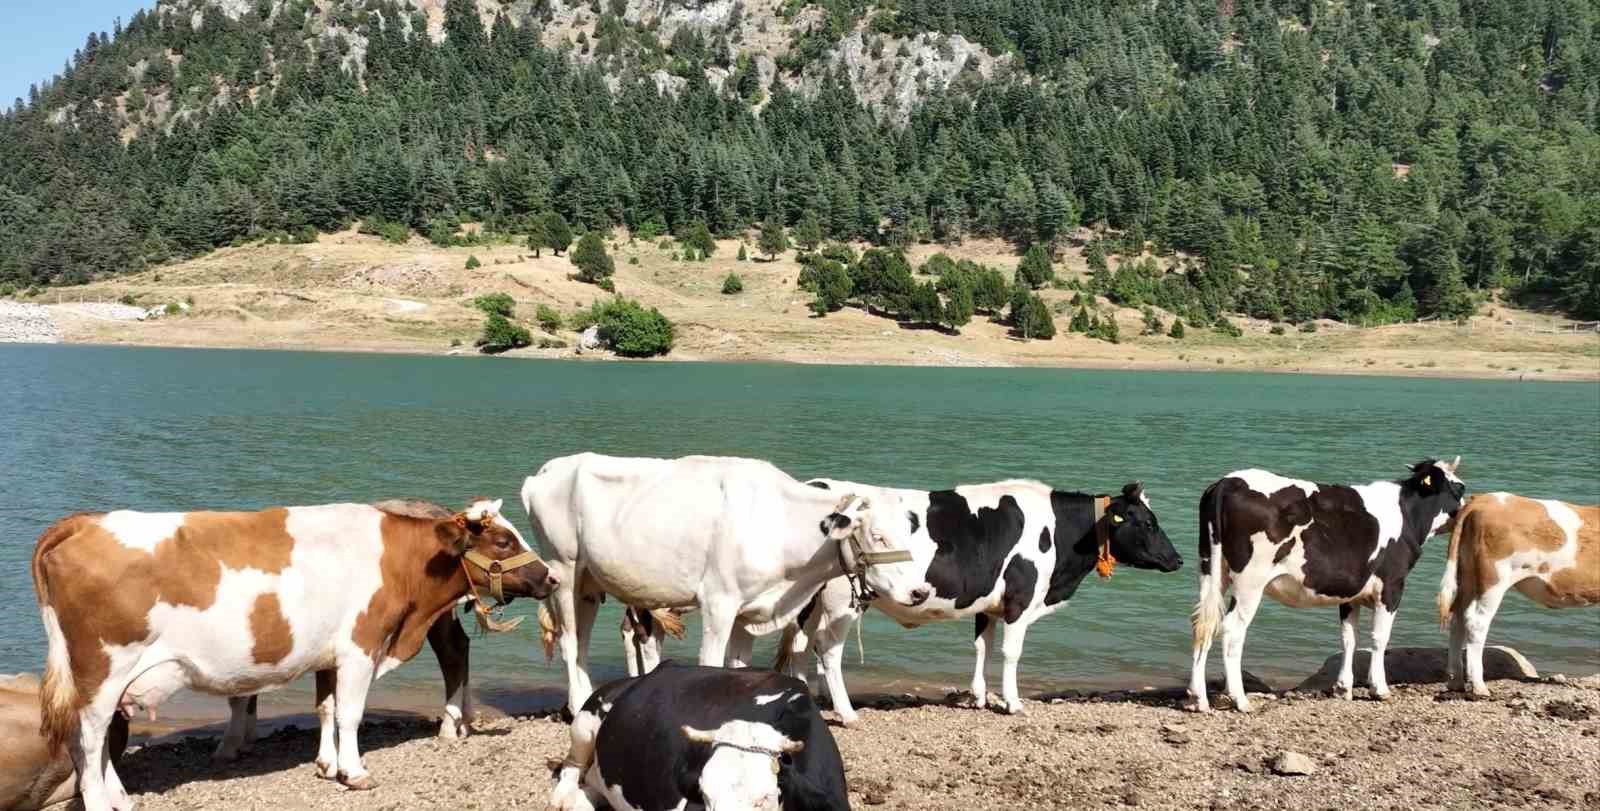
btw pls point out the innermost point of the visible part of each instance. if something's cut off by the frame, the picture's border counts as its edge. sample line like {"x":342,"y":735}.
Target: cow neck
{"x":1076,"y":542}
{"x":1417,"y":511}
{"x":443,"y":580}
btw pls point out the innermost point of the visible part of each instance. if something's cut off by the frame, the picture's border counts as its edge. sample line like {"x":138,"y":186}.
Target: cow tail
{"x":549,"y":629}
{"x":1207,"y":614}
{"x":1453,"y":575}
{"x":670,"y":621}
{"x":58,"y":695}
{"x":785,"y":657}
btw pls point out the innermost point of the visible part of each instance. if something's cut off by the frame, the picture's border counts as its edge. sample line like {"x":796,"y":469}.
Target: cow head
{"x":1432,"y":494}
{"x":886,"y":556}
{"x":742,"y":771}
{"x":1135,"y":534}
{"x":496,"y":558}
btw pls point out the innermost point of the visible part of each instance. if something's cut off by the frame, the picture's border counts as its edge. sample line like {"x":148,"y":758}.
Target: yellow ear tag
{"x":1116,"y":519}
{"x":1427,"y":481}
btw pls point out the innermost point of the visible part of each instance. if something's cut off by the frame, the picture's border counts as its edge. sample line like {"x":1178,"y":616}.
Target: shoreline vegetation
{"x":357,"y":293}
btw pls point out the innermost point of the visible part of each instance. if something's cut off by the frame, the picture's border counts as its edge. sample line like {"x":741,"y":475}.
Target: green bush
{"x":394,"y":232}
{"x":1309,"y":326}
{"x":557,"y":234}
{"x":1152,"y":323}
{"x":1030,"y":316}
{"x":128,"y":299}
{"x":630,"y":329}
{"x":698,"y":237}
{"x":304,"y":235}
{"x":496,"y":304}
{"x":606,"y":285}
{"x":172,"y":308}
{"x":1080,"y":320}
{"x":7,"y":290}
{"x":937,"y":265}
{"x":1177,"y":329}
{"x":590,"y":258}
{"x":1106,"y":328}
{"x":1035,"y":270}
{"x":473,"y":263}
{"x":499,"y":335}
{"x":1277,"y":329}
{"x":1226,"y":327}
{"x":732,"y":284}
{"x":832,"y":284}
{"x":549,"y":319}
{"x":743,"y":255}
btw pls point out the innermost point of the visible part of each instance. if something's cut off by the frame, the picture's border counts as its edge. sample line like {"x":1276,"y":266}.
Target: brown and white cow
{"x":1548,"y":550}
{"x":31,"y":776}
{"x":139,"y":605}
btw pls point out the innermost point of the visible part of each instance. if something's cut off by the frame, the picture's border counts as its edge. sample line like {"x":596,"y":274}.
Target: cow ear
{"x":452,"y":534}
{"x":791,"y":746}
{"x":1132,"y":490}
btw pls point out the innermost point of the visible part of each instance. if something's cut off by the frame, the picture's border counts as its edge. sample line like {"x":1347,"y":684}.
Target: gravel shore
{"x":1533,"y":745}
{"x":27,"y":323}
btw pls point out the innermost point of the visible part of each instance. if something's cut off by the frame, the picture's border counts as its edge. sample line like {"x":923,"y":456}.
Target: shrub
{"x":1106,"y":329}
{"x":937,"y":265}
{"x":557,"y":234}
{"x":1226,"y":327}
{"x":441,"y":233}
{"x":397,"y":233}
{"x":633,"y":260}
{"x":832,"y":284}
{"x":304,"y":235}
{"x":839,"y":252}
{"x":1080,"y":321}
{"x":127,"y":298}
{"x":606,"y":285}
{"x":172,"y":308}
{"x":631,"y":330}
{"x":473,"y":263}
{"x":773,"y":240}
{"x":7,"y":290}
{"x":1177,"y":329}
{"x":1277,"y":329}
{"x":549,"y":320}
{"x":590,"y":257}
{"x":732,"y":285}
{"x":1309,"y":326}
{"x":698,"y":237}
{"x":1030,"y":317}
{"x":1152,"y":323}
{"x":743,"y":256}
{"x":496,"y":304}
{"x":499,"y":334}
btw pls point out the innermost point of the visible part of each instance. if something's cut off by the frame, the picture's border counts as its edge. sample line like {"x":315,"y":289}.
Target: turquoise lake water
{"x":104,"y":428}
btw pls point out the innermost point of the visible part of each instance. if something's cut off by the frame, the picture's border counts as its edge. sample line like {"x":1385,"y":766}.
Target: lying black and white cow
{"x":686,"y":737}
{"x":1010,"y":552}
{"x":1306,"y":544}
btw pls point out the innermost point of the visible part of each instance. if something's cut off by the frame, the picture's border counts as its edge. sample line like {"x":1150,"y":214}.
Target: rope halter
{"x":861,"y":594}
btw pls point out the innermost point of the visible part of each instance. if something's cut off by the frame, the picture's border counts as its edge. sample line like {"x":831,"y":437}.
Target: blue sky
{"x":39,"y":36}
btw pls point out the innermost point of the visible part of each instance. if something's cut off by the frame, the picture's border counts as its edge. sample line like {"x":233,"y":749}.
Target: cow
{"x":738,"y":538}
{"x":446,"y":637}
{"x":1010,"y":552}
{"x":31,"y":776}
{"x":1306,"y":544}
{"x":139,"y":605}
{"x":686,"y":737}
{"x":1548,"y":550}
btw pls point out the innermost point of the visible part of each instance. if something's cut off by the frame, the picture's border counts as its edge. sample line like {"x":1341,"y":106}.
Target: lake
{"x":162,"y":429}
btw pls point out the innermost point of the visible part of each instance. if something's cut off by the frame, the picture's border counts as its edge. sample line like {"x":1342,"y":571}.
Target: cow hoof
{"x":1197,"y":705}
{"x":850,"y":721}
{"x":362,"y":783}
{"x":1343,"y":692}
{"x":1380,"y":695}
{"x":327,"y":771}
{"x":1241,"y":704}
{"x":1015,"y":708}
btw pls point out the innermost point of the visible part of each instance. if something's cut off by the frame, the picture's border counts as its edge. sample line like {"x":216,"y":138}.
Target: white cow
{"x":740,"y":539}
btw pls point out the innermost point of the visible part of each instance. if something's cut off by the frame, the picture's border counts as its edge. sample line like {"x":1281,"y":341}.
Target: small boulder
{"x":1419,"y":666}
{"x":1292,"y":764}
{"x":589,"y":339}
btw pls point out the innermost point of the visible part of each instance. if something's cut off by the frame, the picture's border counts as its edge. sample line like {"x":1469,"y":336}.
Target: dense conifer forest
{"x":1371,"y":162}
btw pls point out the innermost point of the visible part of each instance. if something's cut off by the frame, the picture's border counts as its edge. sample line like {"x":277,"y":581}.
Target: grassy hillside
{"x":347,"y":291}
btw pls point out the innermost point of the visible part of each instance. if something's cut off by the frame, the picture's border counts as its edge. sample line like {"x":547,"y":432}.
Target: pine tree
{"x":1035,"y":270}
{"x":594,"y":265}
{"x":808,"y":232}
{"x":537,"y":238}
{"x":557,"y":234}
{"x":773,"y":240}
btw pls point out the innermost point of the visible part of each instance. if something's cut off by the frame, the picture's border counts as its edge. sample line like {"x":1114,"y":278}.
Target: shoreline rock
{"x":27,"y":324}
{"x":1419,"y":666}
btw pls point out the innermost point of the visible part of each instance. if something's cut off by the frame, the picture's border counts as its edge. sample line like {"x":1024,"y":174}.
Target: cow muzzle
{"x":496,"y":569}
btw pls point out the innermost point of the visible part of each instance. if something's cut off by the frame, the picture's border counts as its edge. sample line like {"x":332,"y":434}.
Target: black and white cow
{"x":1306,"y":544}
{"x":685,"y":737}
{"x":1008,"y":553}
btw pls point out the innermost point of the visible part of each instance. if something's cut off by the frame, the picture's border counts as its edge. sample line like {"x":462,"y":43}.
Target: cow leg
{"x":564,"y":604}
{"x":588,"y":608}
{"x":833,"y":638}
{"x":632,"y":651}
{"x":740,"y":645}
{"x":352,"y":681}
{"x":1478,"y":615}
{"x":328,"y":744}
{"x":451,"y":647}
{"x":1382,"y":621}
{"x":98,"y":783}
{"x":569,"y":794}
{"x":233,"y":738}
{"x":1234,"y":626}
{"x":1011,"y":649}
{"x":982,"y":640}
{"x":650,"y":645}
{"x":716,"y":630}
{"x":1349,"y":616}
{"x":1454,"y":664}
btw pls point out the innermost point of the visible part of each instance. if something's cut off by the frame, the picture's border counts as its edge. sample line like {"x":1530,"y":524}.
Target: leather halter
{"x":1104,"y":563}
{"x":861,"y":594}
{"x":495,"y":569}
